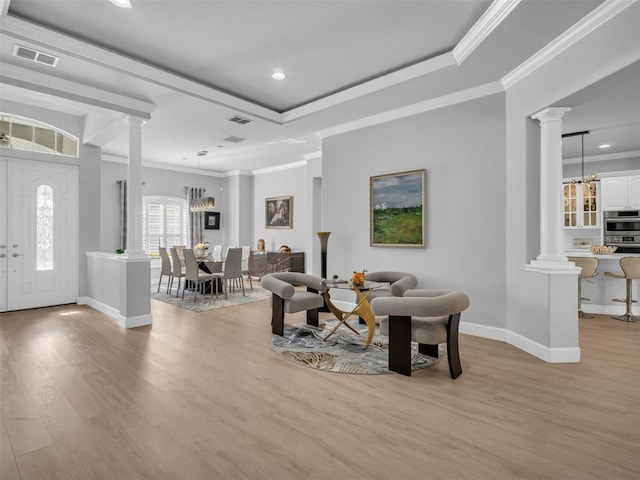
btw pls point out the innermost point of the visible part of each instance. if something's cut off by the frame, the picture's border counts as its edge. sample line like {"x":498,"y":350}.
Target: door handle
{"x":17,"y":255}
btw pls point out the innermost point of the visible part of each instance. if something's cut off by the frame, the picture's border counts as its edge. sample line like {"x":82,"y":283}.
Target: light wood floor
{"x":203,"y":396}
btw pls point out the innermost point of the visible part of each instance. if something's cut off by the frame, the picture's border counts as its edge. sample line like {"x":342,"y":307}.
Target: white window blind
{"x":165,"y":223}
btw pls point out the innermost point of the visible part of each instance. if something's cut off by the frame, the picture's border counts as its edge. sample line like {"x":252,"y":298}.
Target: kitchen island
{"x":601,"y":290}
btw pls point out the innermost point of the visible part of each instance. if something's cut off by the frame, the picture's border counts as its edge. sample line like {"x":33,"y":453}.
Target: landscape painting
{"x":397,"y":209}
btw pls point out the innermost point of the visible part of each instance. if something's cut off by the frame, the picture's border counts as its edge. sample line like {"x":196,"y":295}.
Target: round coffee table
{"x":362,"y":308}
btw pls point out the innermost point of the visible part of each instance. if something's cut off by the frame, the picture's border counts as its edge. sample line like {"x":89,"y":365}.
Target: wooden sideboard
{"x":261,"y":263}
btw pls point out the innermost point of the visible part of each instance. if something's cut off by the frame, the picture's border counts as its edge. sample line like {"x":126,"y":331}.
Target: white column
{"x":551,"y":231}
{"x":134,"y":189}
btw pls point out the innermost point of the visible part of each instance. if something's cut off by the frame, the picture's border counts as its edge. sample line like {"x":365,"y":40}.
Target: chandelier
{"x":204,"y":204}
{"x":593,"y":176}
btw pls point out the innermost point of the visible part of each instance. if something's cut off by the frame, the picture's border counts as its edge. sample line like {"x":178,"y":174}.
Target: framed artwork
{"x":397,"y":206}
{"x":278,"y":212}
{"x":212,"y":220}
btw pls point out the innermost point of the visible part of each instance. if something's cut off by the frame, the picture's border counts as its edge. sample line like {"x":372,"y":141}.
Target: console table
{"x":261,"y":263}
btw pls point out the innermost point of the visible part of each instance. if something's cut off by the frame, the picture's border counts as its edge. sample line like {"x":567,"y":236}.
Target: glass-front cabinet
{"x":581,"y":205}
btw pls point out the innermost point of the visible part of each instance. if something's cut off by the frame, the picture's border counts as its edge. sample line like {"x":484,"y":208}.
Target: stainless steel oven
{"x":622,"y":230}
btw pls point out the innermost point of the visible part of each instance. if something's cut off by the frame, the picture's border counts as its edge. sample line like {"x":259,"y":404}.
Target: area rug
{"x":206,"y":302}
{"x":343,"y":352}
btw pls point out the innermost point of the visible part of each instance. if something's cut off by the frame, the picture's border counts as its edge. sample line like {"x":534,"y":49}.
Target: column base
{"x":548,"y":266}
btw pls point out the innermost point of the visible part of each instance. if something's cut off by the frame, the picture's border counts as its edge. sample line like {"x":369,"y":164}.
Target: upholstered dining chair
{"x":216,"y":253}
{"x":193,"y":273}
{"x":166,"y":267}
{"x":428,"y":317}
{"x":177,"y":270}
{"x":232,"y":271}
{"x":246,"y":252}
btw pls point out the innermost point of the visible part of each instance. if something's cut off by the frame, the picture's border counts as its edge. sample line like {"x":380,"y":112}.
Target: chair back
{"x":191,"y":264}
{"x":246,"y":251}
{"x":233,"y":263}
{"x":216,"y":254}
{"x":176,"y":266}
{"x":226,"y":251}
{"x":630,"y":266}
{"x":166,"y":263}
{"x":589,"y":266}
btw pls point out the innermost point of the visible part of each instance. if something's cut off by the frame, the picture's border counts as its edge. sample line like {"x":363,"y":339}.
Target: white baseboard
{"x":101,"y":307}
{"x":125,"y":322}
{"x":484,"y":331}
{"x":137,"y":321}
{"x":548,"y":354}
{"x":609,"y":309}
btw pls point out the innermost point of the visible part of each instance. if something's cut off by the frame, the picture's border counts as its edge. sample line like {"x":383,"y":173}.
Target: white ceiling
{"x":189,"y":65}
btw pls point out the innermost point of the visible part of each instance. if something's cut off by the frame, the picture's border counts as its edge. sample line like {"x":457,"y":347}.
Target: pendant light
{"x":203,"y":204}
{"x":592,"y":177}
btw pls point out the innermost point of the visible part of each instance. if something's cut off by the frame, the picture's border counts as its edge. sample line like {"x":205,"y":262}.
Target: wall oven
{"x":622,"y":230}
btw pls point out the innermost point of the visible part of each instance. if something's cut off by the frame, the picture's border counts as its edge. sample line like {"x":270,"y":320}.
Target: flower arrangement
{"x":202,"y":247}
{"x":358,"y":278}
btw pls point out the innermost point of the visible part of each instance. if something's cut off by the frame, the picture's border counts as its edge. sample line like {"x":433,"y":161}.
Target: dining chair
{"x":246,"y":252}
{"x":232,"y":271}
{"x":193,"y":273}
{"x":179,"y":249}
{"x":177,"y":270}
{"x":216,"y":254}
{"x":166,"y":267}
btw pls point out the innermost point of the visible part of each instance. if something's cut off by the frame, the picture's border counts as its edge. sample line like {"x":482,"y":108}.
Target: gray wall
{"x":462,"y":149}
{"x":156,"y":182}
{"x":290,"y":182}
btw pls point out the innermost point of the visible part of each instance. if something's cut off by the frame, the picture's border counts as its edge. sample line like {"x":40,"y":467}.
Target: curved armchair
{"x":399,"y":283}
{"x":286,"y":299}
{"x":429,"y":317}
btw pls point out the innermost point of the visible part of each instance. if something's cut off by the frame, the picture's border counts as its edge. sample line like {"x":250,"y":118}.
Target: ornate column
{"x":134,"y":189}
{"x":551,"y":231}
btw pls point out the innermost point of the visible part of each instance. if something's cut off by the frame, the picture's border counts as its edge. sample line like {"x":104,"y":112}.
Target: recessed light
{"x":122,"y":3}
{"x":604,"y":145}
{"x":278,"y":76}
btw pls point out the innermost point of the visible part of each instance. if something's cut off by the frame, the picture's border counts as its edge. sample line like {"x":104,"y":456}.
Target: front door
{"x":40,"y":237}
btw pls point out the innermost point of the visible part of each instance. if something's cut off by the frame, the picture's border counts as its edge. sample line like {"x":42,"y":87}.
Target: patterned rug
{"x":206,"y":302}
{"x":343,"y":352}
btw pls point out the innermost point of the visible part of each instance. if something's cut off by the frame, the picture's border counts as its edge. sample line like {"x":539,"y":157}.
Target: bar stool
{"x":589,"y":266}
{"x":631,"y":268}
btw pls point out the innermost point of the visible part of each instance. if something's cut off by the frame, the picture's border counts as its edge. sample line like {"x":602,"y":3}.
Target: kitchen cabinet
{"x":581,"y":205}
{"x":620,"y":193}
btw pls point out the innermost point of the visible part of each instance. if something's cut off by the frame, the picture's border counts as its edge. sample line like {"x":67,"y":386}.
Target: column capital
{"x":550,"y":114}
{"x":135,"y":121}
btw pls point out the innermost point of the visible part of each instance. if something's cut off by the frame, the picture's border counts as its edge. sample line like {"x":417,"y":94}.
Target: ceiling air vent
{"x":234,"y":139}
{"x":239,"y":119}
{"x":35,"y":56}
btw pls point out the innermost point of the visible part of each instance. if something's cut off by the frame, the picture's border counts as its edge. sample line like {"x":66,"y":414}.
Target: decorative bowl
{"x":602,"y":249}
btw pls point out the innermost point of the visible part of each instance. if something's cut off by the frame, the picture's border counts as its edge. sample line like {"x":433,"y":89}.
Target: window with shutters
{"x":164,"y":223}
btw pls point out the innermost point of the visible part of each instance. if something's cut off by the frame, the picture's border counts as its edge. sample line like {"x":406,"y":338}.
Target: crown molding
{"x":604,"y":156}
{"x":487,"y":23}
{"x":441,"y":62}
{"x":312,"y":155}
{"x":162,"y":166}
{"x":279,"y":168}
{"x":415,"y":109}
{"x":236,"y":173}
{"x":590,"y":22}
